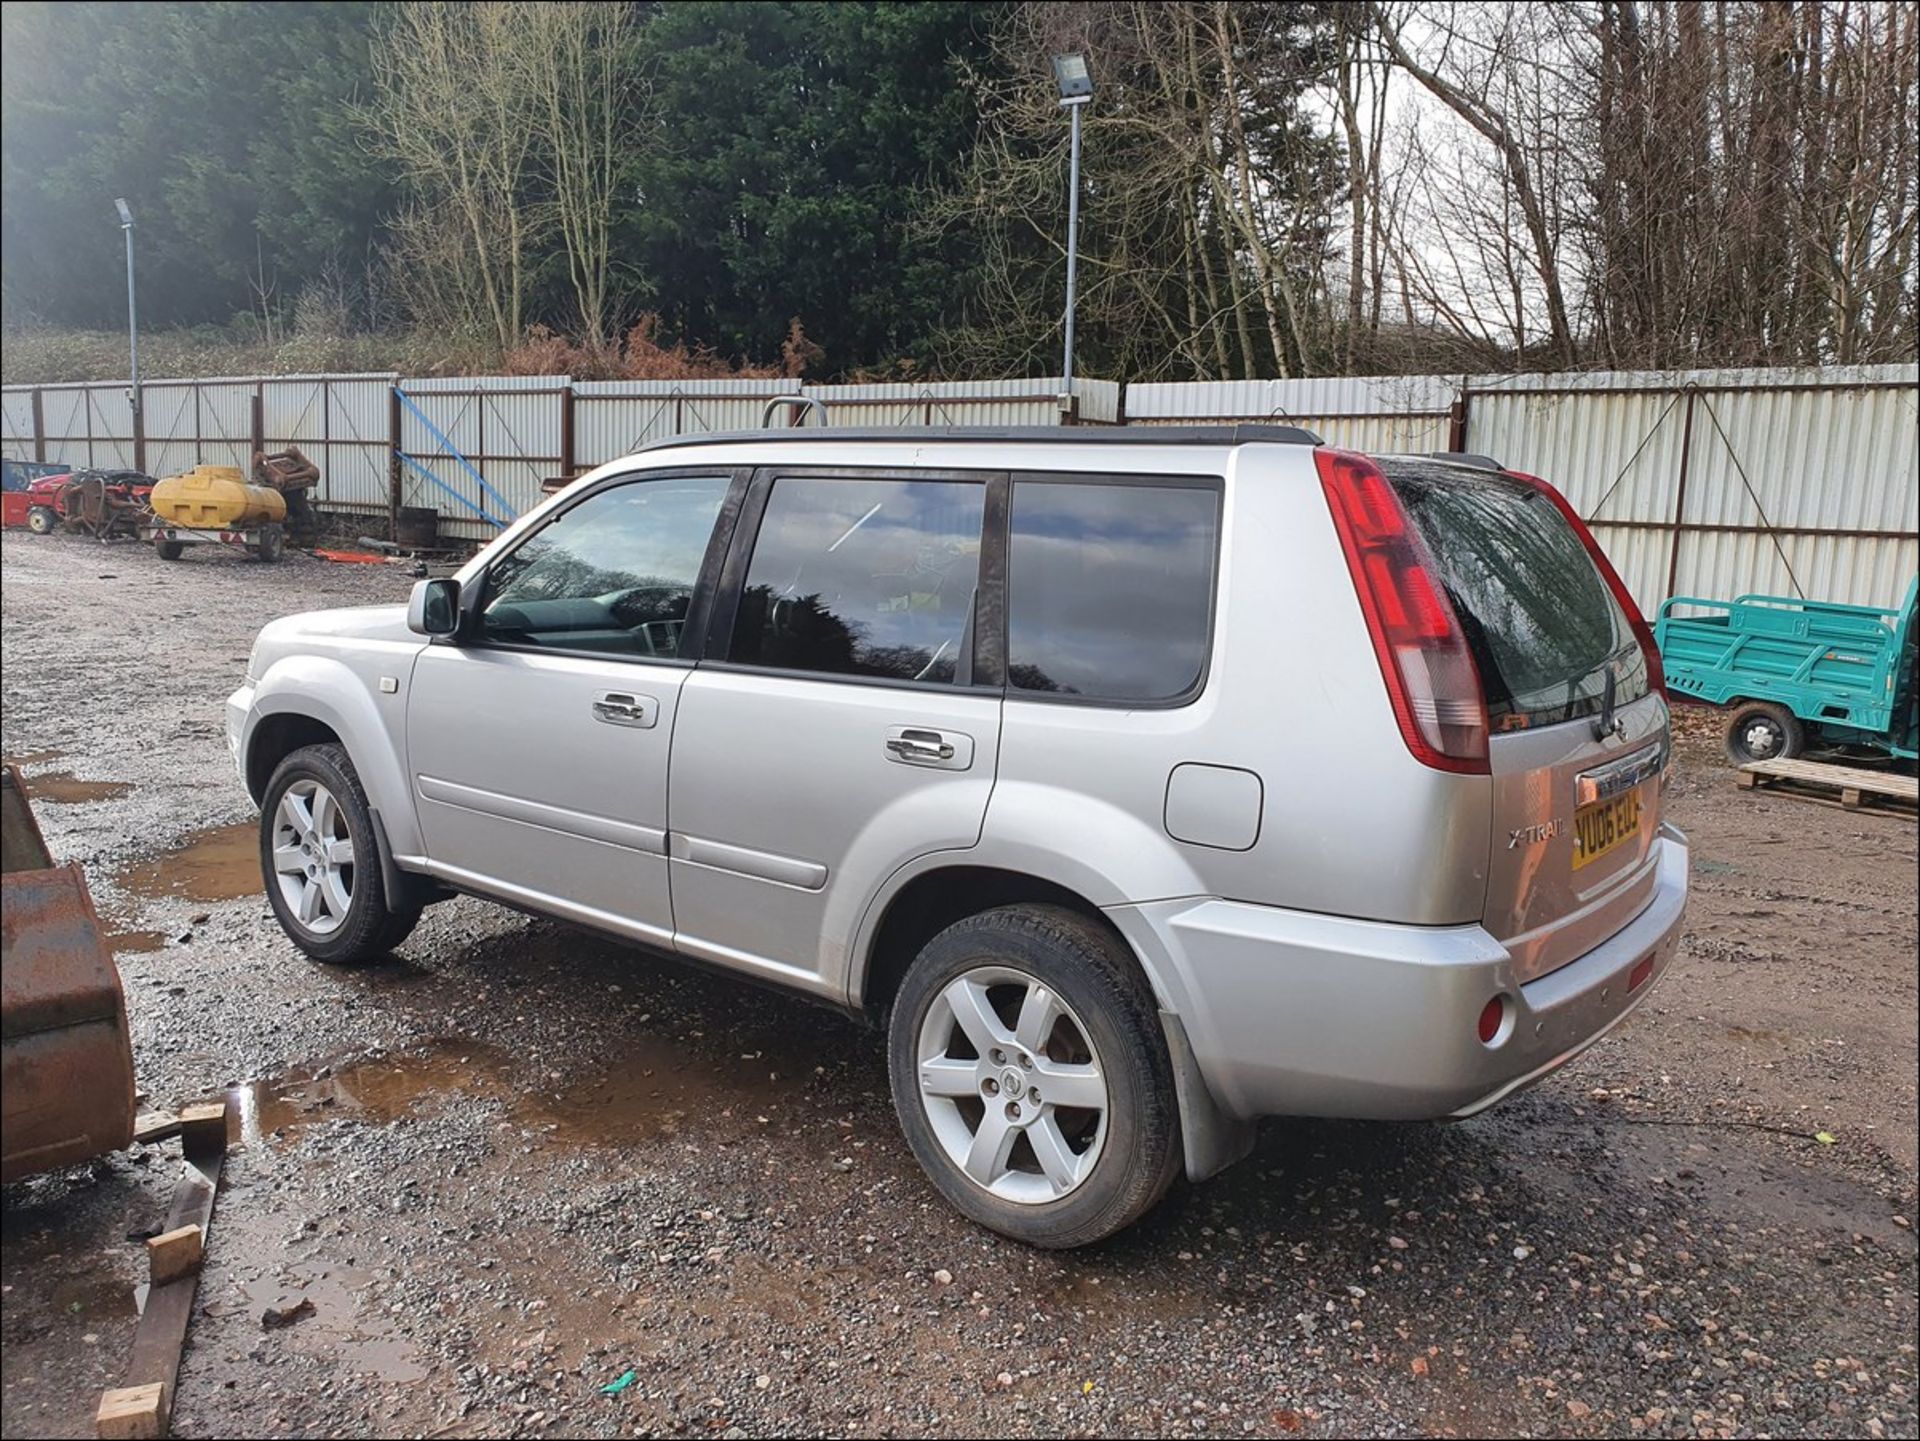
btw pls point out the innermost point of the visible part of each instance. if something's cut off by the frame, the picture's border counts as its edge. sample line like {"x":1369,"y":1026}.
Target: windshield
{"x":1544,"y":628}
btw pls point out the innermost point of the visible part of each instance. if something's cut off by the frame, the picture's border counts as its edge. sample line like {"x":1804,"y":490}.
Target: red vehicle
{"x":15,"y":477}
{"x":42,"y":506}
{"x":38,"y":505}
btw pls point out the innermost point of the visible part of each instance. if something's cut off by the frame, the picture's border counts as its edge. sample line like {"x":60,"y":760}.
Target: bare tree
{"x":1661,"y":182}
{"x":577,"y":64}
{"x":1489,"y":68}
{"x":453,"y":111}
{"x":1205,"y":208}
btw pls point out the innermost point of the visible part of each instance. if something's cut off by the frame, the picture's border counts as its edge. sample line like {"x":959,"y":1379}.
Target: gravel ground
{"x":519,"y":1162}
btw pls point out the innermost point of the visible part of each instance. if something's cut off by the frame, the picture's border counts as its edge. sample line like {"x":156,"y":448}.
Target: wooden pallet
{"x":1850,"y":786}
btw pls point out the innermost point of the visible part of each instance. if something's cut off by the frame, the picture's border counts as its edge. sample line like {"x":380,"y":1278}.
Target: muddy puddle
{"x":324,"y":1310}
{"x":34,"y":758}
{"x":369,"y":1089}
{"x":221,"y":863}
{"x":64,"y":788}
{"x":95,"y":1293}
{"x":655,"y":1090}
{"x":134,"y":942}
{"x":336,"y":1328}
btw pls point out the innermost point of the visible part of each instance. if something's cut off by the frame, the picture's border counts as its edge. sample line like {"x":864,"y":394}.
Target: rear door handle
{"x":924,"y":746}
{"x":623,"y":708}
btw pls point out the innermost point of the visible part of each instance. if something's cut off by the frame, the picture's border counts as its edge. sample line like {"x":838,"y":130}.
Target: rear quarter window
{"x":1110,"y":588}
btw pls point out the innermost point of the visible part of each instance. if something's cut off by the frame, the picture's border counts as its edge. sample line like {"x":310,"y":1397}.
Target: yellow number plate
{"x":1600,"y":827}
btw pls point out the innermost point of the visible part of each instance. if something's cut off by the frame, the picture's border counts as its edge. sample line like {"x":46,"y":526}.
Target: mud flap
{"x":1212,"y":1139}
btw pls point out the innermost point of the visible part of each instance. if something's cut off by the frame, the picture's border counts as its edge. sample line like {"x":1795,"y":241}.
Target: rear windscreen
{"x":1543,"y":626}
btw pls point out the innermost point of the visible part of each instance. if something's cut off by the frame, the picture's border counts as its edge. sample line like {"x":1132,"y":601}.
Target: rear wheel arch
{"x":933,"y":900}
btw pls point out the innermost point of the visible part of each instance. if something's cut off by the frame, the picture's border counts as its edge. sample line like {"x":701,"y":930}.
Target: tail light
{"x":1431,"y":678}
{"x":1642,"y":632}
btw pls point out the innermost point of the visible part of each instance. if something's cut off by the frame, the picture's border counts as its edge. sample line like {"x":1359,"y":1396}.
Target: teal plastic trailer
{"x":1794,"y":671}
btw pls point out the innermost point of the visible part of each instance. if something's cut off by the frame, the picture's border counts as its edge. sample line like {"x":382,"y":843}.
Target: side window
{"x":863,"y":577}
{"x":614,"y":573}
{"x":1109,"y":588}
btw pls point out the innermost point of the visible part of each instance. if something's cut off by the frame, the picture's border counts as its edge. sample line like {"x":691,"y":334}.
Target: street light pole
{"x":133,"y":338}
{"x":1074,"y":108}
{"x":1076,"y":91}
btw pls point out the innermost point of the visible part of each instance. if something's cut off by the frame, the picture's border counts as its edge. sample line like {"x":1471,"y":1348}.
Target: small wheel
{"x":1762,"y":731}
{"x":273,"y":541}
{"x":321,"y":863}
{"x":168,"y":549}
{"x":1031,"y":1076}
{"x":41,"y":520}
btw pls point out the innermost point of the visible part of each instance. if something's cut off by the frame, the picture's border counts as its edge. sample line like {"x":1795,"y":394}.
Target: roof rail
{"x":1007,"y":434}
{"x":806,"y":404}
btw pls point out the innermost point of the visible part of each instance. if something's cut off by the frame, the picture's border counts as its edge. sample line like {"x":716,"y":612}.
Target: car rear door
{"x":1579,"y":736}
{"x":841,"y":724}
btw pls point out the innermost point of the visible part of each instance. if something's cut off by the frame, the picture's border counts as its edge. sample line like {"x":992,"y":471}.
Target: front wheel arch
{"x":278,"y":736}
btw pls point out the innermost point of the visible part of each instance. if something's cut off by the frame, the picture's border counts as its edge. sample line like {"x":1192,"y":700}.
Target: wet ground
{"x":518,"y":1162}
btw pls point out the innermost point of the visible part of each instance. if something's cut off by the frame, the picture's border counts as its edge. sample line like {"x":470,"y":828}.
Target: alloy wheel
{"x":313,"y":857}
{"x":1012,"y":1086}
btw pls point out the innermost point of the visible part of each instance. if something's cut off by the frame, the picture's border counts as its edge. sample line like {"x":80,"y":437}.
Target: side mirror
{"x":434,"y":606}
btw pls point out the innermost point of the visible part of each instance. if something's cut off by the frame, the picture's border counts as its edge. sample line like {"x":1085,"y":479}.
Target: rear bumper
{"x":1297,"y":1014}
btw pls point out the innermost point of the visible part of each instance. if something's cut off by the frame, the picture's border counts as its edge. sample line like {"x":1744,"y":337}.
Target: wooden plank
{"x":154,"y":1362}
{"x":1859,"y":791}
{"x":1837,"y":776}
{"x":132,"y":1413}
{"x":156,"y":1127}
{"x":205,"y":1125}
{"x":174,"y":1254}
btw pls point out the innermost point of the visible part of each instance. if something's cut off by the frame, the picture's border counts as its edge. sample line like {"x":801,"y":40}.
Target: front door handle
{"x":623,"y":708}
{"x":922,"y":746}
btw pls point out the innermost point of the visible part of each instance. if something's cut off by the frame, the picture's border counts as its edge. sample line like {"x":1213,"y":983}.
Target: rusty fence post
{"x":393,"y":460}
{"x":1680,"y":494}
{"x":1457,"y":423}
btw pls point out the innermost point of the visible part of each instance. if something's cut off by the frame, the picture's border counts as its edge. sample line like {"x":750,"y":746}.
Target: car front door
{"x":842,"y":723}
{"x":537,"y":736}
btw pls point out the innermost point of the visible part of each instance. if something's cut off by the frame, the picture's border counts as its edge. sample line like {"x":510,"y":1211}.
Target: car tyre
{"x":320,"y":861}
{"x":168,"y":549}
{"x":1763,"y":731}
{"x":41,"y":520}
{"x":1117,"y":1161}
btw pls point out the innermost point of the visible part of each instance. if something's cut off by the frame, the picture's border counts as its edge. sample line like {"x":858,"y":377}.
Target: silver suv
{"x":1140,"y":782}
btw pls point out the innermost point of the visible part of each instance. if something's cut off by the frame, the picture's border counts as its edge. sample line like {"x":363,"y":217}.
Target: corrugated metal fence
{"x":1700,"y":482}
{"x":1710,"y":482}
{"x":1718,"y":483}
{"x":475,"y":448}
{"x":1374,"y":413}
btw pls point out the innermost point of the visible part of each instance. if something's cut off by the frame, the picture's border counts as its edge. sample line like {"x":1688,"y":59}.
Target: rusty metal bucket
{"x":66,"y":1064}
